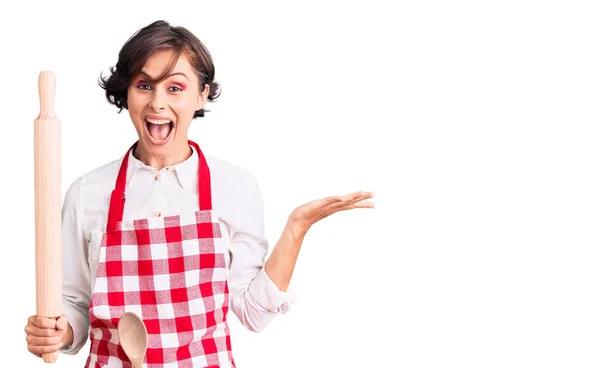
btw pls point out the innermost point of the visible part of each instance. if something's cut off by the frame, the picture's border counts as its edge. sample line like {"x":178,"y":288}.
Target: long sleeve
{"x":76,"y":272}
{"x":255,"y":299}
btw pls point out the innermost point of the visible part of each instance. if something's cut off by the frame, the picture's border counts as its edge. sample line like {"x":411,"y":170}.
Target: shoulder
{"x":102,"y":175}
{"x":97,"y":182}
{"x":234,"y":177}
{"x":236,"y":195}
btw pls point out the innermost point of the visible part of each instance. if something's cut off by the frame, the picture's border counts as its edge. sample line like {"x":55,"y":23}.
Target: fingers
{"x":349,"y":206}
{"x":349,"y":200}
{"x":332,"y":200}
{"x":360,"y":194}
{"x":42,"y":322}
{"x":43,"y":341}
{"x":39,"y":350}
{"x":356,"y":197}
{"x":343,"y":200}
{"x":44,"y":327}
{"x":361,"y":204}
{"x":42,"y":332}
{"x":62,"y":323}
{"x":42,"y":335}
{"x":317,"y":210}
{"x":361,"y":197}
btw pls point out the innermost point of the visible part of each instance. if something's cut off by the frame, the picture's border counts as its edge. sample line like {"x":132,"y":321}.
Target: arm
{"x":281,"y":263}
{"x":259,"y":290}
{"x":76,"y":272}
{"x":255,"y":299}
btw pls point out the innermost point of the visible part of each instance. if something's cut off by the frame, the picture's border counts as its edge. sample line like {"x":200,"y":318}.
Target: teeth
{"x":158,"y":122}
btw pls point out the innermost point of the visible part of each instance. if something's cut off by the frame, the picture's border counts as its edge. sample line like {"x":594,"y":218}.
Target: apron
{"x":172,"y":272}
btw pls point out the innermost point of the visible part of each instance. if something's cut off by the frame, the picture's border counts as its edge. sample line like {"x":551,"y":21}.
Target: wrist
{"x":297,"y":229}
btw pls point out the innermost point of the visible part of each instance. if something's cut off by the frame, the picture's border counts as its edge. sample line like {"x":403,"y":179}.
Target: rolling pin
{"x":48,"y":229}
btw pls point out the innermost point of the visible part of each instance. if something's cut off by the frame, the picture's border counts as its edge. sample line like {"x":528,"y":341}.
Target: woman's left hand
{"x":303,"y":217}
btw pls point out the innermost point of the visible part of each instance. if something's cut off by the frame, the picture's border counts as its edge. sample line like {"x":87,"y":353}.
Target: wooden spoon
{"x":133,"y":338}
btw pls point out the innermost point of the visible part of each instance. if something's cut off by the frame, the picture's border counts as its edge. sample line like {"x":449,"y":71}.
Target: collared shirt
{"x":173,"y":190}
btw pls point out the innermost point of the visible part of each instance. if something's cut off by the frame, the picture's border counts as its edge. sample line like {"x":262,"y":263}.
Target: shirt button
{"x":158,"y":214}
{"x":168,"y":169}
{"x":157,"y":177}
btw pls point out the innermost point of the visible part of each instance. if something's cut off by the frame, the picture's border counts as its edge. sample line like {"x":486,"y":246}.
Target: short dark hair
{"x":158,"y":36}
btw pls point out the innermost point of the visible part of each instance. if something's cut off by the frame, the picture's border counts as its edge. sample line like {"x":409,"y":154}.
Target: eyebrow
{"x":170,"y":75}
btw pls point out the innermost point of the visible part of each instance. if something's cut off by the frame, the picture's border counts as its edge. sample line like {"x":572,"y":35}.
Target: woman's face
{"x":162,"y":112}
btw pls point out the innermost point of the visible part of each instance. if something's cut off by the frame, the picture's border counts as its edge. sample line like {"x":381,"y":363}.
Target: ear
{"x":203,"y":97}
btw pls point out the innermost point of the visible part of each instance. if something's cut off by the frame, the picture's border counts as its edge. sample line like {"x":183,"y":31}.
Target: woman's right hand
{"x":47,"y":335}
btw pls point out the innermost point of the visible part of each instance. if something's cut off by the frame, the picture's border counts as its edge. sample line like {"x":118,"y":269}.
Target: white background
{"x":475,"y":123}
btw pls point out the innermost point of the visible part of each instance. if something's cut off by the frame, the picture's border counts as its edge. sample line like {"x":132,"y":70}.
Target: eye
{"x":175,"y":89}
{"x":144,"y":86}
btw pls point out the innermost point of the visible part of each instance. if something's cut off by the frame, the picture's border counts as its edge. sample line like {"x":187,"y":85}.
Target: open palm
{"x":309,"y":213}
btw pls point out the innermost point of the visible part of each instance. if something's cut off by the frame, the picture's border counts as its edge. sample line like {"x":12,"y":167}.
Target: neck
{"x":159,"y":161}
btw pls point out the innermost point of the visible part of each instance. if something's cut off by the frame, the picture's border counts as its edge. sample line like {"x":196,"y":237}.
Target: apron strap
{"x":117,"y":199}
{"x":204,"y":189}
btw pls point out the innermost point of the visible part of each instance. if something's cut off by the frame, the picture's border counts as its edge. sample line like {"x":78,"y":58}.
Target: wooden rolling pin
{"x":48,"y":229}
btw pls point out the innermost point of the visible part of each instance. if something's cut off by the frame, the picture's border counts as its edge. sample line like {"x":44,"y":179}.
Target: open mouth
{"x":159,"y":131}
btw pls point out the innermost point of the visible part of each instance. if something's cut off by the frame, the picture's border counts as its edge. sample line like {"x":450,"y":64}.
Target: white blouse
{"x":236,"y":200}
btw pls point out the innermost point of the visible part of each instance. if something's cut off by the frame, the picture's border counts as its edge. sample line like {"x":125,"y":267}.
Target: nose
{"x":158,"y":100}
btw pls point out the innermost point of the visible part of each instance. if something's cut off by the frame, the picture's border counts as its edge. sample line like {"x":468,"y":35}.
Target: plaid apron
{"x":172,"y":272}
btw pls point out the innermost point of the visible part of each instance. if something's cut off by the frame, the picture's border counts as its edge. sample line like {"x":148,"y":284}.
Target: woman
{"x":166,"y":232}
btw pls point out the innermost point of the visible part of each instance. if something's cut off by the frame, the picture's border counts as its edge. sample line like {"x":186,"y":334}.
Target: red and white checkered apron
{"x":172,"y":272}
